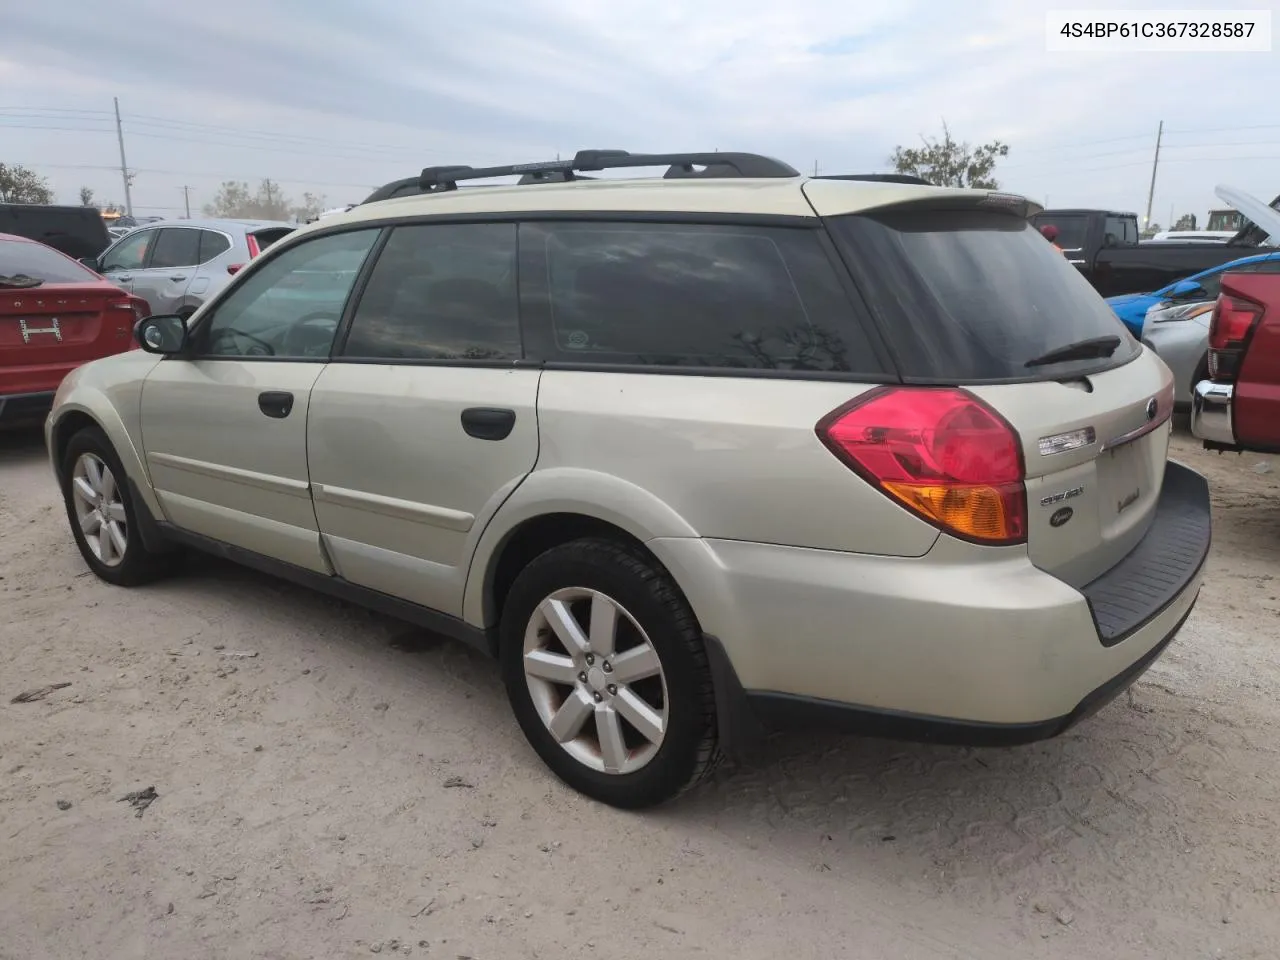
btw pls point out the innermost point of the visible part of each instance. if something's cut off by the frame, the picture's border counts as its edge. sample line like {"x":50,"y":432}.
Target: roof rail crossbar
{"x":879,"y":178}
{"x":679,"y":165}
{"x":683,"y":164}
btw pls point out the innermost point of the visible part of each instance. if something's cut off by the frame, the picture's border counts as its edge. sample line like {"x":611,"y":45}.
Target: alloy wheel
{"x":99,"y":508}
{"x":596,"y":680}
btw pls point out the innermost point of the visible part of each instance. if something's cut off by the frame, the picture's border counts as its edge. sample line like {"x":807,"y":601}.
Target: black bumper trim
{"x":744,"y":721}
{"x":25,"y":407}
{"x":1156,"y":571}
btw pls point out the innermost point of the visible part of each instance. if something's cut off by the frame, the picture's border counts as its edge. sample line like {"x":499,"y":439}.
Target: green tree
{"x":948,"y":163}
{"x":1185,"y":222}
{"x":19,"y":184}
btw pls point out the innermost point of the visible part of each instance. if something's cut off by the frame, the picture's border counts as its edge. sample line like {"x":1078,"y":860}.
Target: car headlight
{"x":1184,"y":312}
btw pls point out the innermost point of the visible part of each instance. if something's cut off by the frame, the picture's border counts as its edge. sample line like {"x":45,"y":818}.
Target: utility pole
{"x":124,"y":166}
{"x":186,"y":199}
{"x":1154,"y":164}
{"x":815,"y":168}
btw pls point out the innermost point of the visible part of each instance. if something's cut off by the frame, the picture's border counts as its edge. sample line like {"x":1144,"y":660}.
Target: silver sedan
{"x":1179,"y":335}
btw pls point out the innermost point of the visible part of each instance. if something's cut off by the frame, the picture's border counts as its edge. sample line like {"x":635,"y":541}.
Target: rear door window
{"x":968,"y":296}
{"x":176,"y":247}
{"x":18,"y":258}
{"x":212,"y":244}
{"x":690,"y":295}
{"x":1122,"y":231}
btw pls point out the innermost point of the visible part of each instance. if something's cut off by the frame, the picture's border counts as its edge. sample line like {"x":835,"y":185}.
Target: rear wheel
{"x":102,"y":513}
{"x":607,"y":674}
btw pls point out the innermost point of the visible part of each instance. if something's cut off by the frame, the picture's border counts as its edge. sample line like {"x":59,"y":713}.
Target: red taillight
{"x":254,"y":249}
{"x":234,"y":268}
{"x":942,"y":453}
{"x":1233,"y":320}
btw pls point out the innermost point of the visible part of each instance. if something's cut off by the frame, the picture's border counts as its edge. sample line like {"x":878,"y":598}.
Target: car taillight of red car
{"x":941,"y":453}
{"x":1234,"y":320}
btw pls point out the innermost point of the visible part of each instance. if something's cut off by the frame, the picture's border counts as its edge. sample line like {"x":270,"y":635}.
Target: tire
{"x":652,"y":618}
{"x":134,"y":564}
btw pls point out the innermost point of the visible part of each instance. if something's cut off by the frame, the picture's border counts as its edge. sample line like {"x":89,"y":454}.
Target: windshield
{"x":968,"y":296}
{"x":24,"y":258}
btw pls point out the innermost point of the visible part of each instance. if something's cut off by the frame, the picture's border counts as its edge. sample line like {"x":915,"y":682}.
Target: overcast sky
{"x":337,"y":97}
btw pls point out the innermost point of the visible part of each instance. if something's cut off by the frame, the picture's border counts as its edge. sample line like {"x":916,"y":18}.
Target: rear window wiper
{"x":20,"y":281}
{"x":1090,"y":349}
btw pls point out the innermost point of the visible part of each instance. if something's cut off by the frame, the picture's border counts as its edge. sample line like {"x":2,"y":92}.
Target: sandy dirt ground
{"x":358,"y":787}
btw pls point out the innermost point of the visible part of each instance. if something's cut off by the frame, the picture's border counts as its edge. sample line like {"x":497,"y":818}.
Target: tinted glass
{"x":212,"y":244}
{"x":444,"y":292}
{"x":176,"y":247}
{"x":270,"y":235}
{"x":20,"y":258}
{"x":970,"y":296}
{"x":1264,"y":266}
{"x":131,"y":252}
{"x":729,"y":297}
{"x":1124,"y":229}
{"x":291,"y":305}
{"x":1073,"y":232}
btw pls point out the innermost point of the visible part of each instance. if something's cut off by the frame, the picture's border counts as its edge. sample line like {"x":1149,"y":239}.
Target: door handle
{"x":126,"y":277}
{"x":488,"y":423}
{"x":276,"y":403}
{"x":178,"y":277}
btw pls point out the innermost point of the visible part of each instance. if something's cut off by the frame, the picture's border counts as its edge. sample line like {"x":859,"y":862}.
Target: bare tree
{"x":948,"y":163}
{"x":86,"y":197}
{"x":1185,"y":222}
{"x":19,"y":184}
{"x":235,"y":199}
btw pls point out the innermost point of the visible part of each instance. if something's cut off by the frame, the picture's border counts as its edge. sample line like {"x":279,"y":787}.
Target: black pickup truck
{"x":1104,"y":246}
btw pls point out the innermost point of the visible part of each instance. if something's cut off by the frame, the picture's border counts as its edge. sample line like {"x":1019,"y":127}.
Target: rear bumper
{"x":1211,"y":416}
{"x":22,"y":408}
{"x":940,"y":648}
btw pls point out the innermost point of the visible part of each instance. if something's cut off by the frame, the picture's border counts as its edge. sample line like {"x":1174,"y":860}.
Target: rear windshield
{"x":1073,"y":232}
{"x":20,"y":258}
{"x":968,"y":296}
{"x":270,"y":235}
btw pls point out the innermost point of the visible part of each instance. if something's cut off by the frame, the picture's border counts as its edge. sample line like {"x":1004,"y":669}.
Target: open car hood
{"x":1263,"y":216}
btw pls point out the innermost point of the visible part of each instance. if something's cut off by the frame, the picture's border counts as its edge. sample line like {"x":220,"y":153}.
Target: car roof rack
{"x":679,"y":166}
{"x":879,"y":178}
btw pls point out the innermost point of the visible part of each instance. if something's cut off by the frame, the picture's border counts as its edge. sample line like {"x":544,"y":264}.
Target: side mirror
{"x":92,"y":264}
{"x":165,"y":335}
{"x":1186,"y":289}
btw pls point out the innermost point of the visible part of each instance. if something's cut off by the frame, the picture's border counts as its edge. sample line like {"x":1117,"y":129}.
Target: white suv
{"x":692,"y":456}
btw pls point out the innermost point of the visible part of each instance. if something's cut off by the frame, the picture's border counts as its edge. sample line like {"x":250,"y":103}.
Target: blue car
{"x":1132,"y":307}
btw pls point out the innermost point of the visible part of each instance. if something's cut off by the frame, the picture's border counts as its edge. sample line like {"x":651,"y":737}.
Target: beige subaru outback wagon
{"x":694,"y":456}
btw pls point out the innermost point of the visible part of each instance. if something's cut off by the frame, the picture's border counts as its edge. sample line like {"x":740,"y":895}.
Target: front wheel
{"x":102,"y":513}
{"x":607,"y":674}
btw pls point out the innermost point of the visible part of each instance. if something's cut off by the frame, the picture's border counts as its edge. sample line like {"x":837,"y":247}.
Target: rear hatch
{"x":73,"y":316}
{"x":968,"y":293}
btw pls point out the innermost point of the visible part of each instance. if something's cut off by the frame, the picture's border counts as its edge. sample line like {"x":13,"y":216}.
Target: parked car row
{"x":692,"y":458}
{"x":55,"y":314}
{"x":1104,"y":246}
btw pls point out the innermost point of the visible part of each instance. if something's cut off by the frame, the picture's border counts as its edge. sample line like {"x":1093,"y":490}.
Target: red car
{"x":55,"y":314}
{"x":1238,"y":407}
